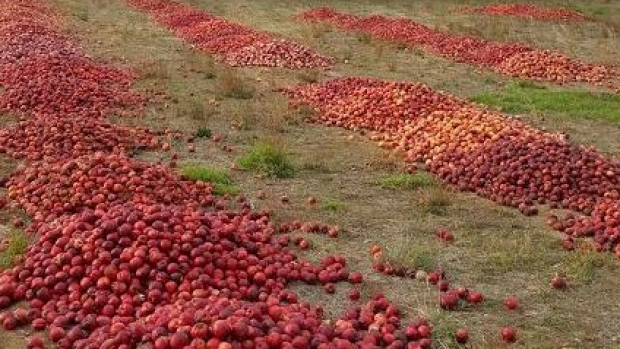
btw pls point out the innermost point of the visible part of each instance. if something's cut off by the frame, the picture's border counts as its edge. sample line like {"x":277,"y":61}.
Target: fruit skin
{"x":462,"y":336}
{"x":433,"y":278}
{"x":511,"y":303}
{"x":354,"y":294}
{"x":445,"y":235}
{"x":9,"y":323}
{"x":356,"y":277}
{"x":329,"y":288}
{"x":449,"y":301}
{"x":463,"y":292}
{"x":508,"y":334}
{"x":443,"y":285}
{"x":475,"y":297}
{"x":559,"y":282}
{"x":34,"y":342}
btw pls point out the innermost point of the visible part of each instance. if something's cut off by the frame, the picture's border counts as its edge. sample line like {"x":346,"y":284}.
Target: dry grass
{"x":232,"y":85}
{"x":485,"y":27}
{"x":409,"y":253}
{"x":364,"y":38}
{"x":197,"y":110}
{"x":202,"y":64}
{"x":156,"y":70}
{"x":379,"y":50}
{"x":244,"y":116}
{"x":434,"y":200}
{"x":315,"y":31}
{"x":309,"y":76}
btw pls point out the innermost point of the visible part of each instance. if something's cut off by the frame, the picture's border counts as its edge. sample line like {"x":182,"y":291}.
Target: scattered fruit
{"x":511,"y":303}
{"x":449,"y":300}
{"x":559,"y":282}
{"x":475,"y":297}
{"x":508,"y":334}
{"x":445,"y":235}
{"x":462,"y":336}
{"x":312,"y":201}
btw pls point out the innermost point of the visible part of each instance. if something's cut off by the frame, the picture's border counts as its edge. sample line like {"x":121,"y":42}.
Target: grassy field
{"x":359,"y":186}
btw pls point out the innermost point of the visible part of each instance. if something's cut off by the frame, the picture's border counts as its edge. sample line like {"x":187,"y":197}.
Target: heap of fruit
{"x":511,"y":59}
{"x":131,"y":255}
{"x":44,"y":73}
{"x":235,"y":44}
{"x":529,"y":11}
{"x":478,"y":150}
{"x":127,"y":275}
{"x":50,"y":138}
{"x":97,"y":181}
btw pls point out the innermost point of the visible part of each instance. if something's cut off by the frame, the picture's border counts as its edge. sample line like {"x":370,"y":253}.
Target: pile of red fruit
{"x":53,"y":85}
{"x":50,"y":138}
{"x":478,"y":150}
{"x":236,"y":45}
{"x":97,"y":181}
{"x":43,"y":73}
{"x":131,"y":255}
{"x":529,"y":11}
{"x":511,"y":59}
{"x":127,"y":275}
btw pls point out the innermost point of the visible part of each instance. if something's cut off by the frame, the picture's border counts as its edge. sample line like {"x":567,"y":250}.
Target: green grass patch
{"x":531,"y":98}
{"x":582,"y":266}
{"x":407,"y":181}
{"x":268,"y":160}
{"x":17,"y":245}
{"x":588,"y":9}
{"x":330,"y":204}
{"x":443,"y":332}
{"x":220,"y":179}
{"x":434,"y":200}
{"x":412,"y":256}
{"x":509,"y":252}
{"x":204,"y":132}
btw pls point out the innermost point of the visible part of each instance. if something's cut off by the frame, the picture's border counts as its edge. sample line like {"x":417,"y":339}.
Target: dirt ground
{"x":497,"y":250}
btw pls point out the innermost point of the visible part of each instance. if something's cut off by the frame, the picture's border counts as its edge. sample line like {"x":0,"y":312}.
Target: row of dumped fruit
{"x":128,"y":254}
{"x":63,"y":92}
{"x":529,"y":11}
{"x":479,"y":150}
{"x":512,"y":59}
{"x":235,"y":44}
